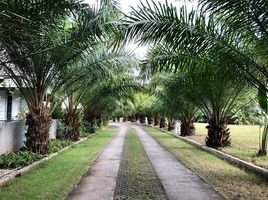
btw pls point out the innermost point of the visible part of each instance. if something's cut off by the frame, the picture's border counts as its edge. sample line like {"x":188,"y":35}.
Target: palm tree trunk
{"x":133,"y":118}
{"x":37,"y":135}
{"x":171,"y":124}
{"x":142,"y":118}
{"x":156,"y":121}
{"x":71,"y":121}
{"x":162,"y":122}
{"x":263,"y":147}
{"x":218,"y":134}
{"x":187,"y":127}
{"x":150,"y":119}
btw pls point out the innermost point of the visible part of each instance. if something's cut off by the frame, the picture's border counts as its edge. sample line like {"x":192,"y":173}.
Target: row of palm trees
{"x":60,"y":51}
{"x":212,"y":60}
{"x":215,"y":57}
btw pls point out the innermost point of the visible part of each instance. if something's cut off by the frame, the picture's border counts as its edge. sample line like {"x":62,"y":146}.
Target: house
{"x":12,"y":103}
{"x":13,"y":108}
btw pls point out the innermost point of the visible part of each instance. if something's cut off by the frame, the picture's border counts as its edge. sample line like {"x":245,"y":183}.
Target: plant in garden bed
{"x":25,"y":157}
{"x":56,"y":145}
{"x":19,"y":159}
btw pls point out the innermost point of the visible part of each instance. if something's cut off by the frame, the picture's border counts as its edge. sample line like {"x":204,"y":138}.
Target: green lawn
{"x":229,"y":180}
{"x":53,"y":179}
{"x":244,"y":139}
{"x":136,"y":177}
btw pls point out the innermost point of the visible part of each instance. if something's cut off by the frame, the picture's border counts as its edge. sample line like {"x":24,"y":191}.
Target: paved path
{"x":99,"y":183}
{"x":179,"y":182}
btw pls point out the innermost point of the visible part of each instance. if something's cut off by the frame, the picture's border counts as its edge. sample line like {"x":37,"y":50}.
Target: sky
{"x":126,"y":7}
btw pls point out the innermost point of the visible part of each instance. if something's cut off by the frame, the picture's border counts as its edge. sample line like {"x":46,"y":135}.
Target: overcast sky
{"x":126,"y":5}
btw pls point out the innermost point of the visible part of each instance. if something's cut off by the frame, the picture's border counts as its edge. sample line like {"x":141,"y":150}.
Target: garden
{"x":72,"y":69}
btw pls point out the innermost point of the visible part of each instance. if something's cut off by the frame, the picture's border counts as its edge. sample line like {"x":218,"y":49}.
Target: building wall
{"x":3,"y":104}
{"x":12,"y":135}
{"x":18,"y":105}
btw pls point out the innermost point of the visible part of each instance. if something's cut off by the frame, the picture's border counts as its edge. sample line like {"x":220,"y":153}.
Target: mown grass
{"x":244,"y":142}
{"x":53,"y":179}
{"x":136,"y":177}
{"x":229,"y":180}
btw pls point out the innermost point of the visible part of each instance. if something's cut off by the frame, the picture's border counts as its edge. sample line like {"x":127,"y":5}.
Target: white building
{"x":12,"y":104}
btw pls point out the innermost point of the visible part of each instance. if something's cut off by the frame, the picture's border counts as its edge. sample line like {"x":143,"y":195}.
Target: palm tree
{"x":39,"y":41}
{"x":175,"y":104}
{"x":236,"y":29}
{"x":216,"y":91}
{"x":191,"y":40}
{"x":103,"y":72}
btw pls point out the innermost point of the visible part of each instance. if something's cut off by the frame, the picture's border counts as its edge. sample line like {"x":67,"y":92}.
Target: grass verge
{"x":54,"y":178}
{"x":244,"y":142}
{"x":230,"y":181}
{"x":136,"y":177}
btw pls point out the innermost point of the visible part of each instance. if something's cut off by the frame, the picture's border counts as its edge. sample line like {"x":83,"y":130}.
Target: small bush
{"x":57,"y":113}
{"x":56,"y":145}
{"x":19,"y":159}
{"x":87,"y":128}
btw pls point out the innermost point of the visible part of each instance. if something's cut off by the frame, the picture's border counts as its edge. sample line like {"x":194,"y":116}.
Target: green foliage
{"x":55,"y":178}
{"x":56,"y":145}
{"x":88,"y":128}
{"x":262,"y":99}
{"x":25,"y":157}
{"x":134,"y":180}
{"x":18,"y":159}
{"x":229,"y":180}
{"x":249,"y":114}
{"x":57,"y":113}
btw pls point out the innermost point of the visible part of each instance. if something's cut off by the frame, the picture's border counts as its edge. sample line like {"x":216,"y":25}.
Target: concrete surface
{"x":179,"y":182}
{"x":99,"y":182}
{"x":12,"y":135}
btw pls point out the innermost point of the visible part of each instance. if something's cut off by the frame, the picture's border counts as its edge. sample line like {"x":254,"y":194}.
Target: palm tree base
{"x":187,"y":129}
{"x":37,"y":135}
{"x":156,"y":121}
{"x":218,"y":135}
{"x":171,"y":124}
{"x":162,"y":122}
{"x":142,"y":119}
{"x":71,"y":122}
{"x":150,"y":120}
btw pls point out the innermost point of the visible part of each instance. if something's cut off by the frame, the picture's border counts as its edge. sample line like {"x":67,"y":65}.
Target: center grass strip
{"x":229,"y":180}
{"x":136,"y":177}
{"x":53,"y":179}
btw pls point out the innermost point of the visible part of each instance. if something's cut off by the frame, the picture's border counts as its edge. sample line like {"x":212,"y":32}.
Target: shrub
{"x":19,"y":159}
{"x":25,"y":157}
{"x":57,"y":113}
{"x":56,"y":145}
{"x":87,"y":128}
